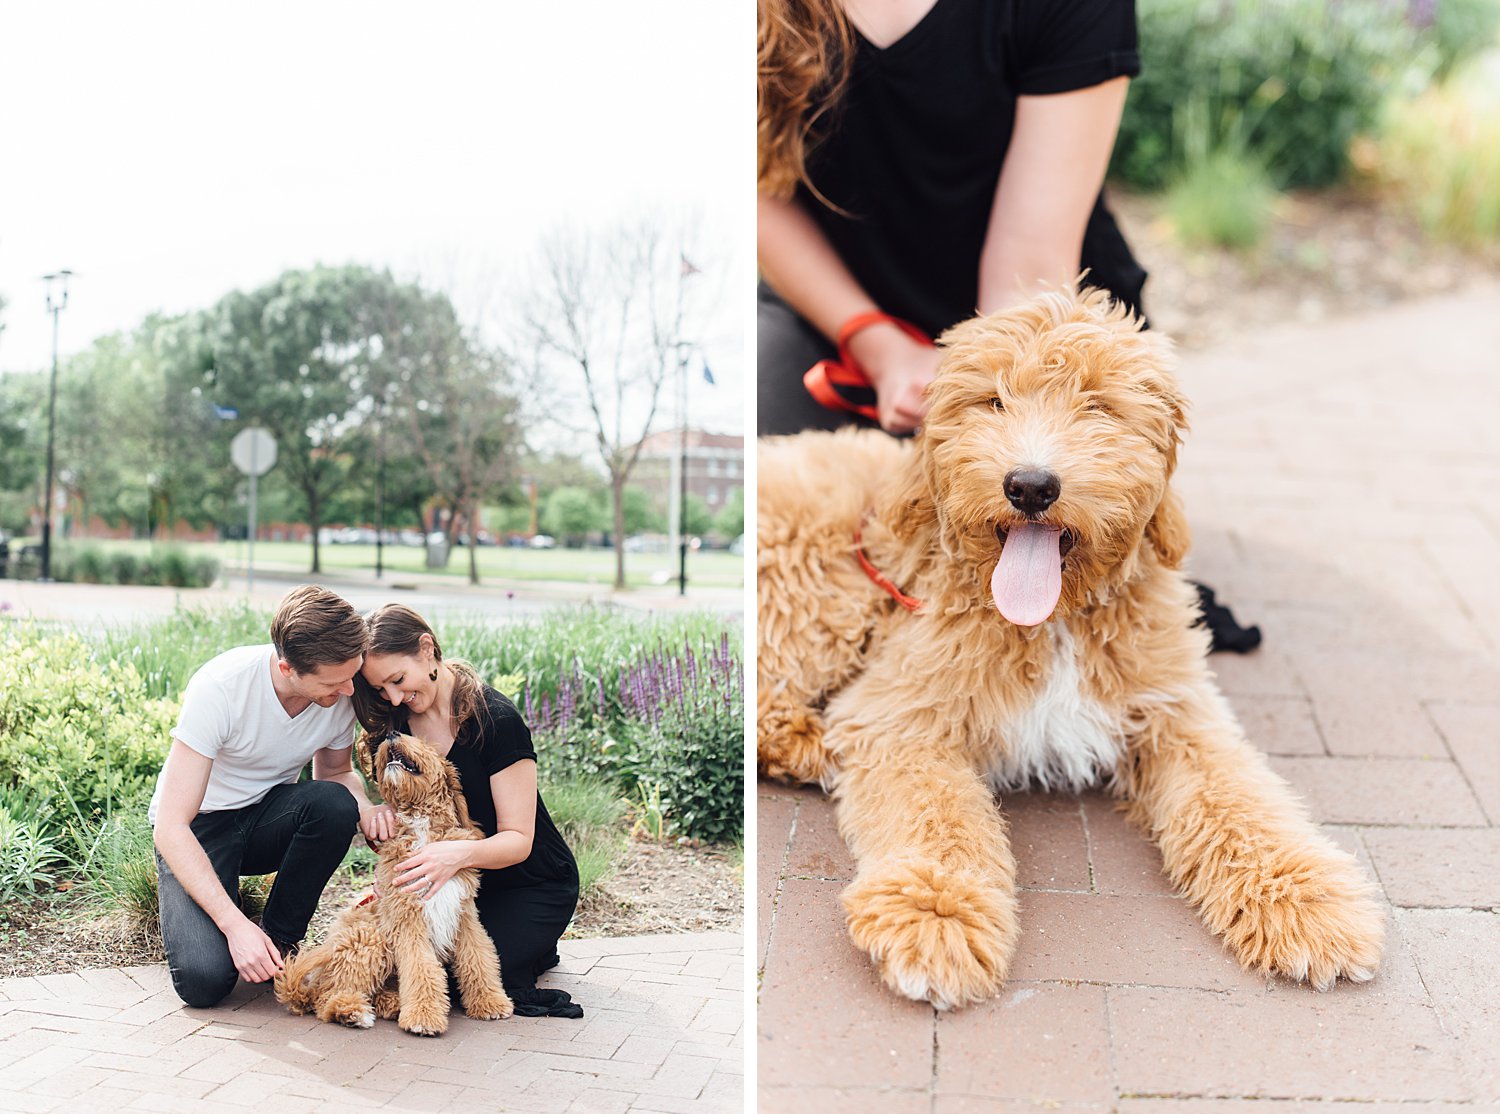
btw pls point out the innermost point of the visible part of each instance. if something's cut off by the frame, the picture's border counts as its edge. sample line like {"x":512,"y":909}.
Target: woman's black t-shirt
{"x":913,"y":153}
{"x":493,"y":739}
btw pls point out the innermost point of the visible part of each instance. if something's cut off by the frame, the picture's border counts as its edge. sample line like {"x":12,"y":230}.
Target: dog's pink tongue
{"x":1028,"y":578}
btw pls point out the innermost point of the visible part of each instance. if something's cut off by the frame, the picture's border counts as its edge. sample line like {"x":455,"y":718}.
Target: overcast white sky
{"x":170,"y":152}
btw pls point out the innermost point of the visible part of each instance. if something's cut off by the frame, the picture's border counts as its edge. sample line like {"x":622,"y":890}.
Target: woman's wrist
{"x":881,"y":348}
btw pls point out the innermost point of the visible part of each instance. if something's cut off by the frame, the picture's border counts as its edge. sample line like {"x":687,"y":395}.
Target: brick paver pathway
{"x":661,"y":1032}
{"x":1344,"y":484}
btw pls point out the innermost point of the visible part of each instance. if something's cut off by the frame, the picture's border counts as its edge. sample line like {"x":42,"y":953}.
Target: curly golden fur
{"x":347,"y":977}
{"x":914,"y":720}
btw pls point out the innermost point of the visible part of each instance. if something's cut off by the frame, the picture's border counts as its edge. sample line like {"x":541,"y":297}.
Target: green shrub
{"x":687,"y":715}
{"x":27,"y":855}
{"x":588,"y":812}
{"x":602,"y":642}
{"x":166,"y":654}
{"x":174,"y":567}
{"x":118,"y":868}
{"x":124,"y":567}
{"x":90,"y":565}
{"x":1461,"y":30}
{"x":76,"y":729}
{"x":1222,"y":200}
{"x":205,"y":571}
{"x":1438,"y":155}
{"x":1293,"y":80}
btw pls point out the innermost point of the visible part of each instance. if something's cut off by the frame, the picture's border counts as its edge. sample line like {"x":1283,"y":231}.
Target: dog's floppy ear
{"x":456,"y":790}
{"x":365,"y":748}
{"x":1168,"y":531}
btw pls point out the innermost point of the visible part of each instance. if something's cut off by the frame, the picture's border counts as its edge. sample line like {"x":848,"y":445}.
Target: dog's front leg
{"x":1241,"y":848}
{"x":476,"y":966}
{"x":933,"y":899}
{"x":423,"y":982}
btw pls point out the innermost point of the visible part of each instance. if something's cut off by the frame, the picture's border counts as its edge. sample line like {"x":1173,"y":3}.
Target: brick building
{"x":715,"y":466}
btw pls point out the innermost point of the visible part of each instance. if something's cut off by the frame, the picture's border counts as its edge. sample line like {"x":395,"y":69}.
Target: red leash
{"x":909,"y":602}
{"x":824,"y":378}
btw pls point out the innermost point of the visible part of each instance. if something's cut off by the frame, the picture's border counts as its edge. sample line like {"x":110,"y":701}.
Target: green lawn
{"x":706,"y":568}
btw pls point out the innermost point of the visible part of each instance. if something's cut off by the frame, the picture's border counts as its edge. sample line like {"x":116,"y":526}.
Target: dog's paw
{"x":347,"y":1009}
{"x":487,"y":1005}
{"x":934,"y":935}
{"x":387,"y":1004}
{"x":1314,"y":926}
{"x":790,"y":746}
{"x":425,"y":1022}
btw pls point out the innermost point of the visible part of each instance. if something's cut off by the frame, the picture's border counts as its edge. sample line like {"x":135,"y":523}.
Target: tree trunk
{"x":472,"y":516}
{"x":617,"y":497}
{"x":312,"y":520}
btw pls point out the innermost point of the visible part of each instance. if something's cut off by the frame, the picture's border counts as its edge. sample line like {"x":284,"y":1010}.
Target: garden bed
{"x":1326,"y":253}
{"x":655,"y":887}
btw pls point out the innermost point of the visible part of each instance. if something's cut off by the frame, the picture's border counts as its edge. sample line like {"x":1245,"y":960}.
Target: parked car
{"x":543,"y":541}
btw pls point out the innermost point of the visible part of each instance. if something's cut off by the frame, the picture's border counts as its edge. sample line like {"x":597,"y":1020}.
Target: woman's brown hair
{"x":804,"y":49}
{"x":396,"y":629}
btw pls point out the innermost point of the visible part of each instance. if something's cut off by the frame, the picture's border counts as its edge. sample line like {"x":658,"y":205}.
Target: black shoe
{"x":286,"y":949}
{"x":544,"y":1003}
{"x":1225,"y":632}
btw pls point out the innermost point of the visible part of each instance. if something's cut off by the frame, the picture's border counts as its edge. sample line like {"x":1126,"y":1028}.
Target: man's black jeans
{"x":299,"y":831}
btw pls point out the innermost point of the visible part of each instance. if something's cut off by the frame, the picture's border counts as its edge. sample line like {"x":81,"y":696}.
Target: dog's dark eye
{"x":996,"y":403}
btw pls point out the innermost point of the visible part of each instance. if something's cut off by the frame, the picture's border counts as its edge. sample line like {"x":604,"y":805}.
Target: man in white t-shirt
{"x":228,"y":802}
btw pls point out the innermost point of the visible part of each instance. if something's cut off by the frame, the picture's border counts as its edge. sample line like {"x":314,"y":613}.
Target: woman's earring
{"x":432,"y":676}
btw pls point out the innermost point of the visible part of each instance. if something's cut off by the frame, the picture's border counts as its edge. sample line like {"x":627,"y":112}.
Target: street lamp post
{"x":55,"y":308}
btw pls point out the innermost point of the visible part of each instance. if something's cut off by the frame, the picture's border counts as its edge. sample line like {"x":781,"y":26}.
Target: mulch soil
{"x":1325,"y":254}
{"x":655,"y":888}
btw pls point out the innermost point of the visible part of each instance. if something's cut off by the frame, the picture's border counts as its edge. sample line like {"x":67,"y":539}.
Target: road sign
{"x":253,"y":451}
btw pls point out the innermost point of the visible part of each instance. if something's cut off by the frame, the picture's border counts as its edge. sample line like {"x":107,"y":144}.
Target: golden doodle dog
{"x":346,"y":977}
{"x":1043,"y":635}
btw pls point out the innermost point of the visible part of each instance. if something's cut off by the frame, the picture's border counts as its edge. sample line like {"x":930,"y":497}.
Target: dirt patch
{"x":655,"y":888}
{"x":1326,"y":254}
{"x":665,"y":887}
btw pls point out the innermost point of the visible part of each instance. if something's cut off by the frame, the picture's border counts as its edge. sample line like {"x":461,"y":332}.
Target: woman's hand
{"x":378,"y":822}
{"x":899,"y":367}
{"x":424,"y":873}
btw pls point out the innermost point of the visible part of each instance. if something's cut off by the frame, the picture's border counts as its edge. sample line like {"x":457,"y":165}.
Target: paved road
{"x":437,"y":598}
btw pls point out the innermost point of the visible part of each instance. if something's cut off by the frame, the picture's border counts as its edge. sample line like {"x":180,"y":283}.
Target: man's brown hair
{"x":314,"y":627}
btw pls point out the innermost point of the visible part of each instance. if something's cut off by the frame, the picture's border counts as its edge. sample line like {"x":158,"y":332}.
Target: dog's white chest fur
{"x":442,"y":908}
{"x":1062,"y":740}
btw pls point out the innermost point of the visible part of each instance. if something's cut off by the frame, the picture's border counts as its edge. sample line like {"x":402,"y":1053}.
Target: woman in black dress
{"x":528,"y":878}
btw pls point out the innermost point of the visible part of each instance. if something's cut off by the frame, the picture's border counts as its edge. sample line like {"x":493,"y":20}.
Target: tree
{"x":608,"y":311}
{"x":640,"y":515}
{"x":696,"y":520}
{"x":314,"y":357}
{"x":23,"y":430}
{"x":454,"y":396}
{"x":730,"y":521}
{"x":571,"y":513}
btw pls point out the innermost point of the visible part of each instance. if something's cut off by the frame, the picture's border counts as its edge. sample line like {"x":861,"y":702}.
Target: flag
{"x":225,"y":413}
{"x":687,"y":267}
{"x":708,"y":376}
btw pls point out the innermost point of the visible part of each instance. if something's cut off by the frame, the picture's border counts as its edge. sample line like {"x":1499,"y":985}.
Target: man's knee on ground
{"x":204,"y":987}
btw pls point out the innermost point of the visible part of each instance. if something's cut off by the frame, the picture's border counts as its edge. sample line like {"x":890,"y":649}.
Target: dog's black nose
{"x":1032,"y":490}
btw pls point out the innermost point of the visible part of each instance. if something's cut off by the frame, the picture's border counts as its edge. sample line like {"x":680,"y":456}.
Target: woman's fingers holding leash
{"x":900,"y":377}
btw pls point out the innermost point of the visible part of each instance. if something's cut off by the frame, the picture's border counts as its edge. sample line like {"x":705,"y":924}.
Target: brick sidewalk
{"x":1344,"y":485}
{"x":661,"y":1032}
